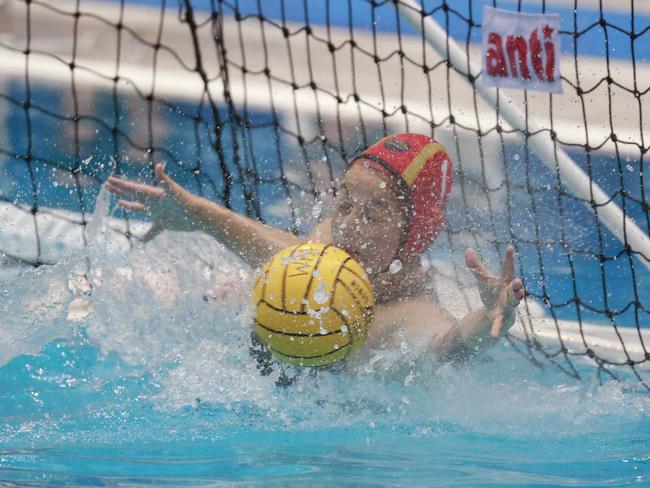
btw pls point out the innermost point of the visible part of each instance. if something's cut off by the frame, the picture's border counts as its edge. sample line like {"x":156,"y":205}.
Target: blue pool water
{"x":157,"y":387}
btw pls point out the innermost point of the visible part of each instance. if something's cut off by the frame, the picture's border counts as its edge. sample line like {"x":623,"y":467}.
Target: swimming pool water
{"x":157,"y":387}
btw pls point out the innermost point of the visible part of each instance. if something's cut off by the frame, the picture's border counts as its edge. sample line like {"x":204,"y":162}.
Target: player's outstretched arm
{"x":453,"y":339}
{"x":174,"y":208}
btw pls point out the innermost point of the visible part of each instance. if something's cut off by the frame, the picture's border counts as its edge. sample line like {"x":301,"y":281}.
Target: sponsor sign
{"x":521,"y":50}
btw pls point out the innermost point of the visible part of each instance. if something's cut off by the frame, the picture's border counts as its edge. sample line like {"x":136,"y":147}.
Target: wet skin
{"x":367,"y":220}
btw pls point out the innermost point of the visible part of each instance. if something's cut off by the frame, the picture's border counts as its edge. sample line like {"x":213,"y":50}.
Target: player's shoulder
{"x":322,"y":233}
{"x":410,"y":282}
{"x":419,"y":321}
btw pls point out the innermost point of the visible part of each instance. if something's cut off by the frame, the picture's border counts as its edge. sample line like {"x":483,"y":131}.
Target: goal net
{"x":260,"y":105}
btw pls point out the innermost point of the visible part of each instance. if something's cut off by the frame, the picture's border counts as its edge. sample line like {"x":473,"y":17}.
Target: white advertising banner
{"x":521,"y":50}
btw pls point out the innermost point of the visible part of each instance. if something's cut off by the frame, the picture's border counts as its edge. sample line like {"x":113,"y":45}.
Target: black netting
{"x":259,"y":104}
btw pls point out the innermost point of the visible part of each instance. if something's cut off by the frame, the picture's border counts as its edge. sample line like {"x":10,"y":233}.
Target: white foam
{"x":33,"y":308}
{"x":163,"y":298}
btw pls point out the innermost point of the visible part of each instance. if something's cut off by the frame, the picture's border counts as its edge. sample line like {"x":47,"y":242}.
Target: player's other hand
{"x":169,"y":203}
{"x":500,"y":294}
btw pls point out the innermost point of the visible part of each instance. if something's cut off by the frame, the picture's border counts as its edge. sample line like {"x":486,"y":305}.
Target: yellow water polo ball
{"x":313,"y":303}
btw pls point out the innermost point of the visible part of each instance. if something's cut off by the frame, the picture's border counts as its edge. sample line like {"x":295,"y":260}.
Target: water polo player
{"x":389,"y":209}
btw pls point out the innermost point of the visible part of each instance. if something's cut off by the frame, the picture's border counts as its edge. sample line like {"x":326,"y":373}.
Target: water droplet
{"x":516,"y":157}
{"x":382,"y":184}
{"x":395,"y":267}
{"x":316,"y":210}
{"x":320,"y":295}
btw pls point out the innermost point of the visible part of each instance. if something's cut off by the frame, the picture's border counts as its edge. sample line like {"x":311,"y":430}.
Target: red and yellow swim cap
{"x":423,"y":170}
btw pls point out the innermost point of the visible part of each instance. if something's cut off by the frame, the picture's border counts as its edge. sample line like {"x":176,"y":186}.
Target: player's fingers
{"x":518,"y":290}
{"x":508,"y":265}
{"x":128,"y":205}
{"x":497,"y":325}
{"x":515,"y":293}
{"x":114,"y":189}
{"x":137,"y":190}
{"x":474,"y":264}
{"x":161,"y":174}
{"x":166,"y":180}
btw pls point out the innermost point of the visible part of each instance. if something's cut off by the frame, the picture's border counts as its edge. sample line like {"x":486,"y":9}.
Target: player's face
{"x":368,"y":218}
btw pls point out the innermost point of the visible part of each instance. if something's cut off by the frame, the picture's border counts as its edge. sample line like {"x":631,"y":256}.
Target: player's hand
{"x":500,"y":294}
{"x":168,"y":203}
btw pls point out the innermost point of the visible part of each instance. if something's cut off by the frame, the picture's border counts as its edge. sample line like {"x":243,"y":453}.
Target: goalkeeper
{"x":388,"y":210}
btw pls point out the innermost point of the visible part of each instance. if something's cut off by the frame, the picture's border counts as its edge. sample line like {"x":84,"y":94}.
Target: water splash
{"x":35,"y":306}
{"x":321,"y":295}
{"x":171,"y":329}
{"x":96,"y":228}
